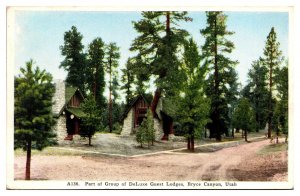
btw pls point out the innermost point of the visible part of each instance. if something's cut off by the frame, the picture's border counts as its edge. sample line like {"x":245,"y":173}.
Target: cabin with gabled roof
{"x":136,"y":112}
{"x":67,"y":110}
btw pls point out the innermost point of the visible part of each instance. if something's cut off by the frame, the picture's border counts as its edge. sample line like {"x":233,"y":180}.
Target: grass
{"x":50,"y":151}
{"x":271,"y":148}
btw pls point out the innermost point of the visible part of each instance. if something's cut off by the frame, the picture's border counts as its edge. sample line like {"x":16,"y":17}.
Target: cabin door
{"x":76,"y":127}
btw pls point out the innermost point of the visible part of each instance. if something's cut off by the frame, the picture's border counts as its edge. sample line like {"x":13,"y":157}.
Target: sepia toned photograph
{"x":181,"y":98}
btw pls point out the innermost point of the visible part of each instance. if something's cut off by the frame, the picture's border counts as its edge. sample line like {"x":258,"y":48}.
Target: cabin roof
{"x":146,"y":97}
{"x":76,"y":112}
{"x":165,"y":105}
{"x":70,"y":91}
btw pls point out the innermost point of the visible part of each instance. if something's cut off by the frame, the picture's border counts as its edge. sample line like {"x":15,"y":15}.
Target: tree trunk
{"x":28,"y":160}
{"x":257,"y":122}
{"x":192,"y":144}
{"x":232,"y":132}
{"x":90,"y":140}
{"x":270,"y":100}
{"x":188,"y":143}
{"x":216,"y":80}
{"x":110,"y":100}
{"x":246,"y":136}
{"x":155,"y":101}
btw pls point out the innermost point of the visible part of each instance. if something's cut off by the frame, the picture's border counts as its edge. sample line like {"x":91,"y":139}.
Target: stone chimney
{"x":59,"y":96}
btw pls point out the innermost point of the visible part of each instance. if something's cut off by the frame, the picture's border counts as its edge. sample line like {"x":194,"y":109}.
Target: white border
{"x":161,"y":5}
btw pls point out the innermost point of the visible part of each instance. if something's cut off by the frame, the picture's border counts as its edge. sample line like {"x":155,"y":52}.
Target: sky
{"x":39,"y":34}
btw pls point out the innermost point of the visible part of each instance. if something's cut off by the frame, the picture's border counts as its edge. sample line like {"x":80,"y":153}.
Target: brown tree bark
{"x":188,"y":143}
{"x":110,"y":100}
{"x":28,"y":160}
{"x":155,"y":100}
{"x":270,"y":100}
{"x":246,"y":136}
{"x":217,"y":84}
{"x":192,"y":144}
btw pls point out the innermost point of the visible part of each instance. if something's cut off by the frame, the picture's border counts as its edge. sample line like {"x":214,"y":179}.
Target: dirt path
{"x":235,"y":163}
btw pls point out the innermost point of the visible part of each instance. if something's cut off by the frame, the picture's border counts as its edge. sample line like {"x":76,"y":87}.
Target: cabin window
{"x":141,"y":108}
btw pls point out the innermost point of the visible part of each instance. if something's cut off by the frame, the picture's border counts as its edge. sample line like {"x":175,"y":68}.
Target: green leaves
{"x":33,"y":108}
{"x":243,"y":116}
{"x":75,"y":60}
{"x":157,"y":47}
{"x":192,"y":108}
{"x":145,"y":132}
{"x":222,"y":85}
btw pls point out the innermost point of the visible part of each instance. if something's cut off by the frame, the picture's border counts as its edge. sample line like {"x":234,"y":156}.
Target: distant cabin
{"x":67,"y":110}
{"x":136,"y":111}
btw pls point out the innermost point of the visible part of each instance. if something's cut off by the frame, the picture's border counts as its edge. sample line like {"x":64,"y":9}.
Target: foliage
{"x":145,"y":132}
{"x":243,"y":116}
{"x":128,"y":80}
{"x":75,"y":60}
{"x":95,"y":70}
{"x":33,"y":119}
{"x":272,"y":60}
{"x":112,"y":62}
{"x":281,"y":108}
{"x":257,"y":93}
{"x":157,"y":46}
{"x":91,"y":122}
{"x":193,"y":105}
{"x":33,"y":108}
{"x":221,"y":83}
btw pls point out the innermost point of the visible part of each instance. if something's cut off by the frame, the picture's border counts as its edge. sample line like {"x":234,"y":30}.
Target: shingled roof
{"x":62,"y":96}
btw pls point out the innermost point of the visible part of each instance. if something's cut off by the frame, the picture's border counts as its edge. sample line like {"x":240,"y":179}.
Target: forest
{"x":200,"y":80}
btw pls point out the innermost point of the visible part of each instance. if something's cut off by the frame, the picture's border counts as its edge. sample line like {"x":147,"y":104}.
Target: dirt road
{"x":236,"y":163}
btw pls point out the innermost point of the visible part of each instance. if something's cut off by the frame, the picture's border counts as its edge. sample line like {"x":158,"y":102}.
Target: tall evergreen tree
{"x":33,"y":117}
{"x":193,"y":105}
{"x":112,"y":62}
{"x":75,"y":60}
{"x":222,"y":74}
{"x":157,"y":45}
{"x":257,"y":93}
{"x":127,"y":79}
{"x":272,"y":61}
{"x":95,"y":70}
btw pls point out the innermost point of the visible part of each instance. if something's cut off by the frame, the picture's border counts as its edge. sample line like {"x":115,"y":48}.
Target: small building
{"x":136,"y":112}
{"x":67,"y":110}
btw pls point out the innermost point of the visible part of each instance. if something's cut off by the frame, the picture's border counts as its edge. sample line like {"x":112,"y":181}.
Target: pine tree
{"x":243,"y":117}
{"x":145,"y":132}
{"x":222,"y":79}
{"x":75,"y":60}
{"x":272,"y":61}
{"x":150,"y":128}
{"x":33,"y":118}
{"x":157,"y":46}
{"x":193,"y":106}
{"x":95,"y":70}
{"x":112,"y":62}
{"x":127,"y":79}
{"x":91,"y":121}
{"x":281,"y":108}
{"x":256,"y":91}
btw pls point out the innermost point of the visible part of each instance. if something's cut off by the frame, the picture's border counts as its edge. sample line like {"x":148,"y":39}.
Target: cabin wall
{"x":60,"y":129}
{"x":128,"y":124}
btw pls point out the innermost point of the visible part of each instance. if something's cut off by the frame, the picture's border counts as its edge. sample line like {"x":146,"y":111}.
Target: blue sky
{"x":38,"y":34}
